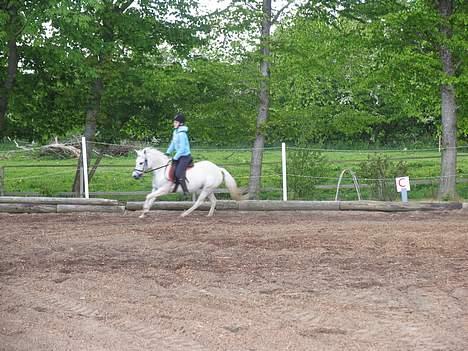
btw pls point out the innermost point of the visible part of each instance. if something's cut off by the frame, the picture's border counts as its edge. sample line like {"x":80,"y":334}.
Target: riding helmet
{"x":179,"y":118}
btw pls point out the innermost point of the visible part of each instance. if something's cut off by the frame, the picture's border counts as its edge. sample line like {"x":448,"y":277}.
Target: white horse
{"x":204,"y":176}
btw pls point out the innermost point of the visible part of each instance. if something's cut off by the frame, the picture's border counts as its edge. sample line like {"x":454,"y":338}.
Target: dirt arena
{"x":238,"y":281}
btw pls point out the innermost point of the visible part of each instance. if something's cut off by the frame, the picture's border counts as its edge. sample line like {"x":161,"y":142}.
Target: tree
{"x":107,"y":36}
{"x":426,"y":29}
{"x":448,"y":169}
{"x":264,"y":102}
{"x":322,"y":89}
{"x":421,"y":28}
{"x":12,"y":27}
{"x":268,"y":19}
{"x":20,"y":22}
{"x":255,"y":18}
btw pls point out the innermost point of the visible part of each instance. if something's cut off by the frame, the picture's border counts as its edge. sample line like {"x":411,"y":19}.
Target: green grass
{"x":51,"y":177}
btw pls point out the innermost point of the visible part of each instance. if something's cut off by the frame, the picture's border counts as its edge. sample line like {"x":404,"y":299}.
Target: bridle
{"x":145,"y":165}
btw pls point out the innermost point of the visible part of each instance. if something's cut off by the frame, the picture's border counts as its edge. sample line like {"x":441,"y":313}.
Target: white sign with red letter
{"x":402,"y":183}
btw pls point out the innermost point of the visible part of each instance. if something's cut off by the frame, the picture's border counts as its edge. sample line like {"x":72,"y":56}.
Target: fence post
{"x":84,"y":159}
{"x":81,"y":176}
{"x":283,"y":167}
{"x":2,"y":177}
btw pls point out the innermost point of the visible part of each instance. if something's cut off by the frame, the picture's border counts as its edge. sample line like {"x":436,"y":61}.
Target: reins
{"x":153,"y":169}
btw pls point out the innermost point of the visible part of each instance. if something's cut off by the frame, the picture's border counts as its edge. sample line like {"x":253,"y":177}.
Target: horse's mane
{"x":155,"y":153}
{"x":150,"y":149}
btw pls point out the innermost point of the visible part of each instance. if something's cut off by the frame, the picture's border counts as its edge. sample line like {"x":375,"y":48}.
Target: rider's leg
{"x":183,"y":185}
{"x":175,"y":164}
{"x":180,"y":172}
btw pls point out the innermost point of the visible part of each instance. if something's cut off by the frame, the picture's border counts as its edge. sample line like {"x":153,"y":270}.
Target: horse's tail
{"x":231,"y":185}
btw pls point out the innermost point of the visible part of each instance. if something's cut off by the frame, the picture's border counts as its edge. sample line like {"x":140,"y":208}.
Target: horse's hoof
{"x":183,"y":214}
{"x":142,"y":215}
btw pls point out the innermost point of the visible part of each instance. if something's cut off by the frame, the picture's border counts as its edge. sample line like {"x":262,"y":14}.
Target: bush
{"x":380,"y":172}
{"x":305,"y":170}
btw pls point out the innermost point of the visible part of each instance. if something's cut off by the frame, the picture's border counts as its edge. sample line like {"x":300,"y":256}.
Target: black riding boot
{"x":176,"y":185}
{"x":184,"y":186}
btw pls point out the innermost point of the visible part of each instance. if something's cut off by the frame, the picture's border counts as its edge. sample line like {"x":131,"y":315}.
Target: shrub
{"x":380,"y":172}
{"x":305,"y":168}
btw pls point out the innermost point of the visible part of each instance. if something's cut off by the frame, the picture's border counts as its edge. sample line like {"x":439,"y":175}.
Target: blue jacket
{"x":180,"y":143}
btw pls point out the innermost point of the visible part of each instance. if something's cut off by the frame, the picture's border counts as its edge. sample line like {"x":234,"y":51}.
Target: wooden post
{"x":81,"y":176}
{"x":85,"y":166}
{"x":2,"y":178}
{"x":284,"y":173}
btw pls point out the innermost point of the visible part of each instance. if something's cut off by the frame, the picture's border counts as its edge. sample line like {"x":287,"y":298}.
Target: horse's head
{"x":141,"y":164}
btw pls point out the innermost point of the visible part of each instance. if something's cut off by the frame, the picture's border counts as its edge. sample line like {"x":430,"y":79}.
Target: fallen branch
{"x":60,"y":149}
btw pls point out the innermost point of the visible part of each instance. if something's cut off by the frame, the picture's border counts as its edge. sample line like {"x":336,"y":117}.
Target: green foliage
{"x":338,"y":87}
{"x":354,"y":70}
{"x":305,"y":170}
{"x":379,"y":173}
{"x":348,"y":72}
{"x":104,"y":40}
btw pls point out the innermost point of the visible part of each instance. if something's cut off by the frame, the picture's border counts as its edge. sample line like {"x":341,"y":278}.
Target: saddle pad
{"x":171,"y":171}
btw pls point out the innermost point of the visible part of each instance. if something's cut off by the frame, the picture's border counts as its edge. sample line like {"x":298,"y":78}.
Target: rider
{"x":182,"y":158}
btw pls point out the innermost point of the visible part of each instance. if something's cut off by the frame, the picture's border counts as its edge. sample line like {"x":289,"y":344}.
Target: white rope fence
{"x":277,"y":169}
{"x":136,"y":146}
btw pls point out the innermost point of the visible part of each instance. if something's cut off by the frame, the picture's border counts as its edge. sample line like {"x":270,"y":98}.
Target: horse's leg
{"x":151,"y":197}
{"x":204,"y":193}
{"x":212,"y":198}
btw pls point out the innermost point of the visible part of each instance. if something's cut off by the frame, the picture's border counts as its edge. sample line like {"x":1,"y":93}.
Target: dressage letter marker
{"x":403,"y":186}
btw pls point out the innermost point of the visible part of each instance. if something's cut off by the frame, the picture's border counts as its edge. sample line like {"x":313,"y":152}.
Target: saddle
{"x":171,"y":171}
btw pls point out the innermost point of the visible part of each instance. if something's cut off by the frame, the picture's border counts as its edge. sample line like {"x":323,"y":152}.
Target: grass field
{"x":26,"y":172}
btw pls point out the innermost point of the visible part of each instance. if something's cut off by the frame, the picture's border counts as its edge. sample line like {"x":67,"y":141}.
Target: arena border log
{"x":65,"y":208}
{"x":278,"y":205}
{"x":17,"y":204}
{"x":27,"y":208}
{"x":57,"y":200}
{"x":388,"y":206}
{"x":68,"y":205}
{"x":182,"y":205}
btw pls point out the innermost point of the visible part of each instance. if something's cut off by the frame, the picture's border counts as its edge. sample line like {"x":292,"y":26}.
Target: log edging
{"x":12,"y":204}
{"x":277,"y":205}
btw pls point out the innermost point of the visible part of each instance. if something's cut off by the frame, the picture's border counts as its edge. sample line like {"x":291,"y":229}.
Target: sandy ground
{"x":238,"y":281}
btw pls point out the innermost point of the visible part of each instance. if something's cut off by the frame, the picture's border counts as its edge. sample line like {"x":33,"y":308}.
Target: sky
{"x":211,"y":5}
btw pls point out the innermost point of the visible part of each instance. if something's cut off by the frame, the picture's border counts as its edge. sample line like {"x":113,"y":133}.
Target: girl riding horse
{"x":182,"y":158}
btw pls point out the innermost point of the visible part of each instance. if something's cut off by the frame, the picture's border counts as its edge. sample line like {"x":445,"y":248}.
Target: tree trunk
{"x":7,"y":85}
{"x":447,"y":184}
{"x":107,"y":35}
{"x":90,"y":127}
{"x":264,"y":96}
